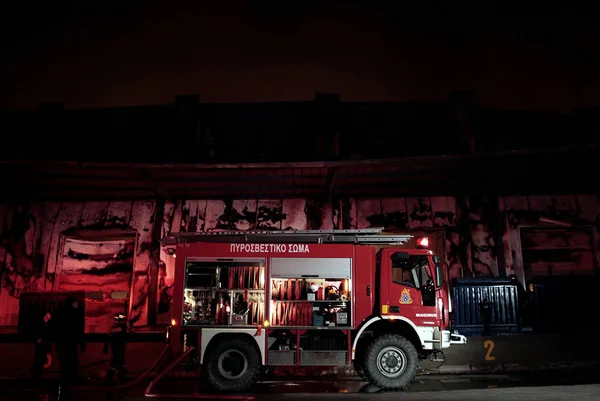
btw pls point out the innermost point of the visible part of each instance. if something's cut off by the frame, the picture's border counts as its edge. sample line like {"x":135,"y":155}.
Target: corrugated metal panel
{"x":557,"y":251}
{"x":502,"y":296}
{"x":338,"y":268}
{"x":102,"y":269}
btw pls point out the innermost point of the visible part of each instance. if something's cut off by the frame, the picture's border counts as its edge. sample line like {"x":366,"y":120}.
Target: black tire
{"x":359,"y":357}
{"x":401,"y":368}
{"x":233,"y":365}
{"x":359,"y":369}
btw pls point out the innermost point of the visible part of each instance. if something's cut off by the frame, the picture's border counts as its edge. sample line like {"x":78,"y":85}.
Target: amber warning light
{"x":423,"y":242}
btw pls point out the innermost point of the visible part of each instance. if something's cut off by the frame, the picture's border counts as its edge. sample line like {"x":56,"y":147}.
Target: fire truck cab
{"x":250,"y":300}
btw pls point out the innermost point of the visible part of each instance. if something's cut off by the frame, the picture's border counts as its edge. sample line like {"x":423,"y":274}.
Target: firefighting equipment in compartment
{"x":289,"y":290}
{"x":255,"y":312}
{"x":332,"y":293}
{"x":222,"y":312}
{"x":246,"y":277}
{"x":292,"y":314}
{"x":344,"y":288}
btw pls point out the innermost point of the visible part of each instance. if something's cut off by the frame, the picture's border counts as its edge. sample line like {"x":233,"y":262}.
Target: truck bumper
{"x":449,"y":338}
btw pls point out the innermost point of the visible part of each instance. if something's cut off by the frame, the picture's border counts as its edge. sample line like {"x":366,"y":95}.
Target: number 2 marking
{"x":489,"y":345}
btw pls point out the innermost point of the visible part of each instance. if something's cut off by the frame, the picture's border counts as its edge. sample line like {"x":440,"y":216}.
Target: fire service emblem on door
{"x":405,"y":297}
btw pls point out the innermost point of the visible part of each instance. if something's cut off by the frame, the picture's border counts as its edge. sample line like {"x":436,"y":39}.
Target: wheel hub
{"x":391,"y":361}
{"x":232,"y":364}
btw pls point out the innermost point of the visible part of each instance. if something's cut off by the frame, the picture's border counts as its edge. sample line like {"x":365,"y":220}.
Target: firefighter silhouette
{"x":69,"y":336}
{"x":486,"y":315}
{"x":117,"y":338}
{"x":43,"y":347}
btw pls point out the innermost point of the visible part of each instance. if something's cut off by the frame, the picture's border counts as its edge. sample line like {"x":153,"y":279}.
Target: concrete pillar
{"x":188,"y":129}
{"x":159,"y":212}
{"x":328,"y":119}
{"x":464,"y":105}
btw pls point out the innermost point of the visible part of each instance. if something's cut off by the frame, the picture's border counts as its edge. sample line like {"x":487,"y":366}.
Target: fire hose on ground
{"x":148,"y":393}
{"x":82,"y":367}
{"x":128,"y":384}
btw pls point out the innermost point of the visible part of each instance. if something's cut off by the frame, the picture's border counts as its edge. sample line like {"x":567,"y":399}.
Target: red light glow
{"x":423,"y":242}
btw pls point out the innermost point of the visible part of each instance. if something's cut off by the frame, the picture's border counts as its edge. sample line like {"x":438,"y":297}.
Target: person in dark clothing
{"x":118,"y":341}
{"x":486,"y":315}
{"x":529,"y":306}
{"x":68,"y":333}
{"x":43,"y":347}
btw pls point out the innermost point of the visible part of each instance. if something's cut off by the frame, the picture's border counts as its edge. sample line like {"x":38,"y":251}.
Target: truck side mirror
{"x":439,"y":276}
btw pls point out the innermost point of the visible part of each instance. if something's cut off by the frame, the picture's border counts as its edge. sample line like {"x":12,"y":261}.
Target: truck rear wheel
{"x":391,"y":362}
{"x":233,"y":366}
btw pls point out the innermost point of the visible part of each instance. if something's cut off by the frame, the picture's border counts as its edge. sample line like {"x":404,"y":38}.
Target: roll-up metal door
{"x":338,"y":268}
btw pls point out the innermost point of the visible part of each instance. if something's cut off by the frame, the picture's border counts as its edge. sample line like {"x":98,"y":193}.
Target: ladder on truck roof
{"x":368,"y":236}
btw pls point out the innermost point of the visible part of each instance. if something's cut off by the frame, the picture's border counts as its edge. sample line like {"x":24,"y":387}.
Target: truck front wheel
{"x":391,"y":362}
{"x":233,"y":365}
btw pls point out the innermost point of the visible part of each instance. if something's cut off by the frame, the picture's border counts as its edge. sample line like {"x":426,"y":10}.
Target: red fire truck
{"x":250,"y":300}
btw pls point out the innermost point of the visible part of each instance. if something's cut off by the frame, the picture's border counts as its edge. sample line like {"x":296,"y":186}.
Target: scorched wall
{"x":108,"y":248}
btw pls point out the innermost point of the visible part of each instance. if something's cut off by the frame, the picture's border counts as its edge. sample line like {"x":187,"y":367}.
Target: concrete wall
{"x":527,"y":236}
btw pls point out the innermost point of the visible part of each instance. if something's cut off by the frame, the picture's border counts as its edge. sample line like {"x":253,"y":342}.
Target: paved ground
{"x":493,"y":354}
{"x":590,"y":392}
{"x":424,"y":388}
{"x":550,"y":393}
{"x":517,"y":361}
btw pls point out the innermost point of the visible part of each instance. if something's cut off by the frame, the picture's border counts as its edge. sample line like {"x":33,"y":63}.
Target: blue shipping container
{"x":489,"y":301}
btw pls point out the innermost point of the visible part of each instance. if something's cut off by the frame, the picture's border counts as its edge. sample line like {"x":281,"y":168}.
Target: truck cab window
{"x":411,"y":271}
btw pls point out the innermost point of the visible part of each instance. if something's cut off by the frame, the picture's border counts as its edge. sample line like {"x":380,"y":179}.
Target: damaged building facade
{"x":96,"y":227}
{"x":111,"y":251}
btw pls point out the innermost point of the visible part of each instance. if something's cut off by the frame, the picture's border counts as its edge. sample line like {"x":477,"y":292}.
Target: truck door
{"x":411,"y":291}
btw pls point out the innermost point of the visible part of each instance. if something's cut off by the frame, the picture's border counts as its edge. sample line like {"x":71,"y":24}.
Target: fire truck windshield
{"x":412,"y":271}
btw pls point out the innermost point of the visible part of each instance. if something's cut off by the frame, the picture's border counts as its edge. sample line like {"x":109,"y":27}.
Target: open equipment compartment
{"x":224,"y":292}
{"x":310,"y":311}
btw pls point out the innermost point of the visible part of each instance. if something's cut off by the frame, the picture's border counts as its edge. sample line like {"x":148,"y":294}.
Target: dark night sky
{"x":148,"y":54}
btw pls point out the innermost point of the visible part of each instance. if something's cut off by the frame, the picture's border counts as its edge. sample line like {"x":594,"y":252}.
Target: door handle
{"x":368,"y":290}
